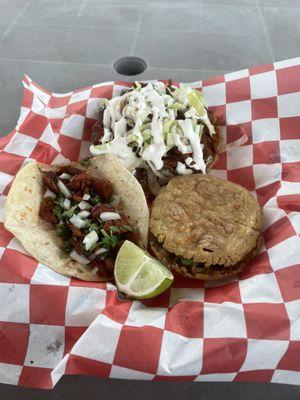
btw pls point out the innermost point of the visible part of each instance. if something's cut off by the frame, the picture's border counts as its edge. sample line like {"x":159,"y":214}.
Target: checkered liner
{"x":245,"y":330}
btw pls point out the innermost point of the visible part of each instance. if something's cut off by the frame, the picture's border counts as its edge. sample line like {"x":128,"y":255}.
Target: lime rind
{"x":130,"y":257}
{"x":139,"y":275}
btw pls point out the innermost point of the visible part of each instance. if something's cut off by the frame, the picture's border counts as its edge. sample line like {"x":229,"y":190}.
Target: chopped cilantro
{"x":127,"y":227}
{"x":111,"y":198}
{"x":115,"y":229}
{"x":67,"y":246}
{"x":57,"y":212}
{"x":87,"y":223}
{"x":104,"y":233}
{"x":59,"y":199}
{"x":65,"y":251}
{"x":187,"y":262}
{"x":68,"y":213}
{"x":85,"y":162}
{"x":63,"y":254}
{"x":63,"y":231}
{"x":108,"y":241}
{"x":94,"y":227}
{"x":95,"y":200}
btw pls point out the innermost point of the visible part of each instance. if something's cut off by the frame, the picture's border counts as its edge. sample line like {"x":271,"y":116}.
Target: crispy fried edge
{"x":167,"y":258}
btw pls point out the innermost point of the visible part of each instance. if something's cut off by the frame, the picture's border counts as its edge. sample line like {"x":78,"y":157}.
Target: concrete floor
{"x":64,"y":45}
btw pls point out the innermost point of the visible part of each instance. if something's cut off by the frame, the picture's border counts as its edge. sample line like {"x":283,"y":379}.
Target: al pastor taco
{"x":74,"y":218}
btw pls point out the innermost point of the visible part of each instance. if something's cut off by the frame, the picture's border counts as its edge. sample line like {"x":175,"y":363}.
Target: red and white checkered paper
{"x":245,"y":330}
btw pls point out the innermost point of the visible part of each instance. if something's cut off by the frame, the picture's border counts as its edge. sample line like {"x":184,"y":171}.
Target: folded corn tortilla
{"x":39,"y":238}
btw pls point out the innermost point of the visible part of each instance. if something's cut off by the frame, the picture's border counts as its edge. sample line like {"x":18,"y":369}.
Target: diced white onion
{"x":63,"y":188}
{"x":102,"y":250}
{"x":90,"y":240}
{"x":94,"y":271}
{"x":77,"y":221}
{"x":107,"y":216}
{"x":49,"y":193}
{"x":83,"y":205}
{"x":65,"y":176}
{"x":79,"y":258}
{"x":67,"y":204}
{"x":83,"y":214}
{"x":86,"y":196}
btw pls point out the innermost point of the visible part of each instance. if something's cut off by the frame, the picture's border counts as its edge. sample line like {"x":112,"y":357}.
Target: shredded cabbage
{"x":143,"y":124}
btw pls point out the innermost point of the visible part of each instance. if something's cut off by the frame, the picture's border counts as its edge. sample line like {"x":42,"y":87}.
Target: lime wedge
{"x":139,"y":275}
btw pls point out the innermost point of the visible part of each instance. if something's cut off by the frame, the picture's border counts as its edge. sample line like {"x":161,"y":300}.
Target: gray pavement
{"x":67,"y":44}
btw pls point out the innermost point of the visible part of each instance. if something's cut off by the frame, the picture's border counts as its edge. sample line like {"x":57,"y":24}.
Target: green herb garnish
{"x":118,"y":229}
{"x":63,"y":254}
{"x":85,"y":162}
{"x":63,"y":231}
{"x":187,"y":262}
{"x":127,"y":227}
{"x":115,"y":229}
{"x":94,"y":227}
{"x":59,"y":199}
{"x":87,"y":223}
{"x":108,"y":241}
{"x":65,"y":251}
{"x":104,"y":233}
{"x":57,"y":212}
{"x":69,"y":213}
{"x":67,"y":246}
{"x":95,"y":200}
{"x":111,"y":198}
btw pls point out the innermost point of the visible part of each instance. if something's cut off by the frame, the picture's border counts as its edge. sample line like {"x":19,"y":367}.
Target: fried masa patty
{"x":207,"y":220}
{"x":199,"y":270}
